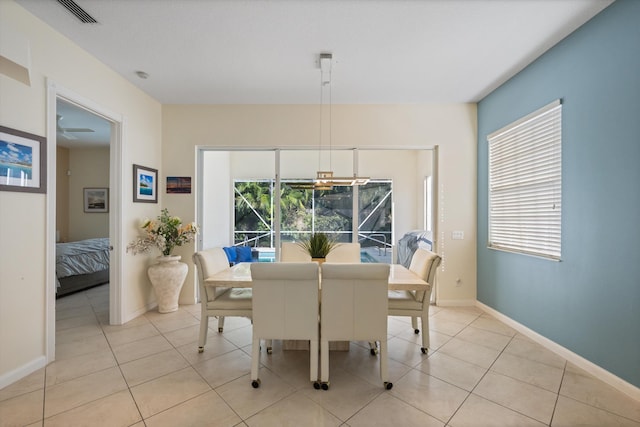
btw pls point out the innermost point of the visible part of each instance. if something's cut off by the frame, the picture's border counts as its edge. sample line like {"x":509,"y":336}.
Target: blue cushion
{"x":232,"y":255}
{"x":244,"y":254}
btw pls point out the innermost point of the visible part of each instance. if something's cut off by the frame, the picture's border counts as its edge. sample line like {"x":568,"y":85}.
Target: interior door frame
{"x":55,"y":92}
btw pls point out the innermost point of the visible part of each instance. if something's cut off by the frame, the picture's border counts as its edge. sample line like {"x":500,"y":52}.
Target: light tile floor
{"x":148,"y":372}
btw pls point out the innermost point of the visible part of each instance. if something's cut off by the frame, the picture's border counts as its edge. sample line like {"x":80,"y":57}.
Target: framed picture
{"x":96,"y":200}
{"x":178,"y":185}
{"x":23,"y":161}
{"x":145,"y":184}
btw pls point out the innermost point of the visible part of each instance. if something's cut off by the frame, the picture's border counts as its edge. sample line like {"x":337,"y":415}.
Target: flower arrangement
{"x":165,"y":233}
{"x":318,"y":245}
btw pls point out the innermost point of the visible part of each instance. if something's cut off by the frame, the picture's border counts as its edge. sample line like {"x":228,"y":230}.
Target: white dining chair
{"x":217,"y":301}
{"x":292,"y":252}
{"x":354,"y":307}
{"x":285,"y":306}
{"x":416,"y":304}
{"x":344,"y":253}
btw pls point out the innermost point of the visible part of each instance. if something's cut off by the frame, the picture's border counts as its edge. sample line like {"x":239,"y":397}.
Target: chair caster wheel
{"x":316,"y":385}
{"x":423,"y":350}
{"x":325,"y":386}
{"x":269,"y":350}
{"x":416,"y":331}
{"x":373,"y":351}
{"x":220,"y":330}
{"x":200,"y":349}
{"x":388,"y":386}
{"x":255,"y":383}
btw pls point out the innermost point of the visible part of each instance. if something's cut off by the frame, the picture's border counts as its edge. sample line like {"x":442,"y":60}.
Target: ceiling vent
{"x":78,"y":12}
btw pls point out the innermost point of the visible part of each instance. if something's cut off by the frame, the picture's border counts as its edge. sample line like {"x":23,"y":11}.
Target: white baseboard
{"x":139,"y":312}
{"x":21,"y":372}
{"x":593,"y":369}
{"x":41,"y":362}
{"x":456,"y":302}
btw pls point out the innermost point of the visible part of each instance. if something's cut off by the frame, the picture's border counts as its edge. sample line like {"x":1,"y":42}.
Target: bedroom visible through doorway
{"x":82,"y":198}
{"x":82,"y":134}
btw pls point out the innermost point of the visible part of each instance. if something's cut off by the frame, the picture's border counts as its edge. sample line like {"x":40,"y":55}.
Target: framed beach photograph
{"x":96,"y":200}
{"x":145,"y":184}
{"x":23,"y":161}
{"x":178,"y":185}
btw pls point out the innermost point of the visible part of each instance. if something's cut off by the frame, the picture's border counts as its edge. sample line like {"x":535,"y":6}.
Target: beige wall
{"x":451,"y":127}
{"x":77,"y":169}
{"x":89,"y":169}
{"x":165,"y":137}
{"x":23,"y":221}
{"x":62,"y":193}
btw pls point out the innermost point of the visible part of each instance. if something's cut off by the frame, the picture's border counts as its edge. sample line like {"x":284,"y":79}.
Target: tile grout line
{"x":122,"y":373}
{"x":486,"y":372}
{"x":44,"y":400}
{"x":414,"y":368}
{"x":204,"y":379}
{"x":483,"y":375}
{"x":555,"y":405}
{"x":411,"y":367}
{"x":117,"y":362}
{"x":516,"y":379}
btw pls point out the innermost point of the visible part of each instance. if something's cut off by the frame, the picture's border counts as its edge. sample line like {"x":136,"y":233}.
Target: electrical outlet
{"x":457,"y":235}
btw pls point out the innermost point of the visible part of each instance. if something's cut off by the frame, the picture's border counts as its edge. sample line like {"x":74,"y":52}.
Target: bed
{"x":81,"y":265}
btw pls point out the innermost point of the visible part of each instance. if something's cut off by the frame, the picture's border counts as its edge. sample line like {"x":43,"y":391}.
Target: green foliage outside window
{"x":304,"y":211}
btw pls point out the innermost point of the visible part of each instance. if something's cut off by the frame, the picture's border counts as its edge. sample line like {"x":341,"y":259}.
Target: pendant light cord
{"x":330,"y":121}
{"x":321,"y":108}
{"x":322,"y":83}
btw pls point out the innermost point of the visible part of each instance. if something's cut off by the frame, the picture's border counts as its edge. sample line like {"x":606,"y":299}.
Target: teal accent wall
{"x":589,"y":302}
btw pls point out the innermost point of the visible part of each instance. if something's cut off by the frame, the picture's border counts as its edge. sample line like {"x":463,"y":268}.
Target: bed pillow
{"x":232,"y":255}
{"x":244,"y":254}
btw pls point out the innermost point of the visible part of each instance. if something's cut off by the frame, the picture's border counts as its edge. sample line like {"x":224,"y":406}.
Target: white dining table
{"x":239,"y":276}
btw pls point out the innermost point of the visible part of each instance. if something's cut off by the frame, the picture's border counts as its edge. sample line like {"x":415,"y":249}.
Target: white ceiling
{"x":79,"y":128}
{"x":266,"y":51}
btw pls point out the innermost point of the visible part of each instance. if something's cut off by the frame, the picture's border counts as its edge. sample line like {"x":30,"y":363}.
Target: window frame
{"x":525,"y":185}
{"x":272,"y":219}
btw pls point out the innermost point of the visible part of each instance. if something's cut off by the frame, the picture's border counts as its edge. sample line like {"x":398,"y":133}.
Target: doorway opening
{"x":84,"y":193}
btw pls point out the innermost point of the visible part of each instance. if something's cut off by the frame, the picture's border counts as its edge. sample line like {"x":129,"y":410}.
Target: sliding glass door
{"x":255,"y":198}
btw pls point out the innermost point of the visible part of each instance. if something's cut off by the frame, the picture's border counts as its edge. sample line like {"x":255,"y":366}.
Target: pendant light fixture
{"x":324,"y":179}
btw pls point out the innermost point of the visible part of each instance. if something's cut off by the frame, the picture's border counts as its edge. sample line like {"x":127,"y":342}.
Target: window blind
{"x":525,"y":191}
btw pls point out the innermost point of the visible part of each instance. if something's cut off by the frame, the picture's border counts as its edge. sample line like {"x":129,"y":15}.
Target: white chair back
{"x":217,"y":301}
{"x":209,"y":262}
{"x":285,"y":306}
{"x":285,"y":299}
{"x":415,"y":304}
{"x":354,"y":307}
{"x":425,"y":264}
{"x":354,"y":301}
{"x":292,"y":252}
{"x":345,"y":253}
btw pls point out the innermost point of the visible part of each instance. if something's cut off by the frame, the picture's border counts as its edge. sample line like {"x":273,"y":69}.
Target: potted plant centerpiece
{"x":168,"y":274}
{"x":318,"y":245}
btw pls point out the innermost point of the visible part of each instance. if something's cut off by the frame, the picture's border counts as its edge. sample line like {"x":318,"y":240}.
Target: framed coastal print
{"x":145,"y":184}
{"x":23,"y":161}
{"x":96,"y":200}
{"x":178,"y":185}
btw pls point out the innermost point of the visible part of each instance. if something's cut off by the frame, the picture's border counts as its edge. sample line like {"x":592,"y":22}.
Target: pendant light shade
{"x":324,"y":179}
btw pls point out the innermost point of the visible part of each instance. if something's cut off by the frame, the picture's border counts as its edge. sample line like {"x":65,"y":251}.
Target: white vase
{"x":167,"y":278}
